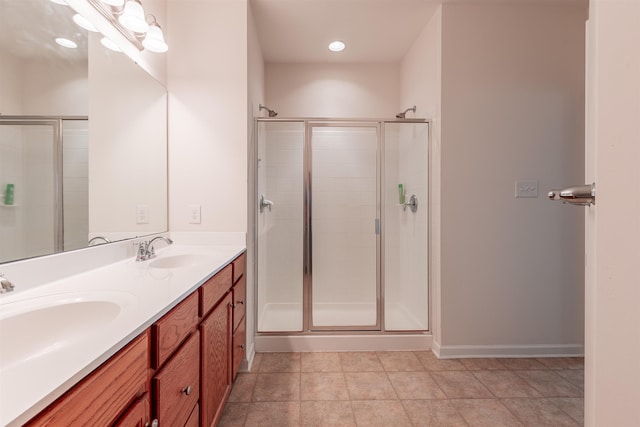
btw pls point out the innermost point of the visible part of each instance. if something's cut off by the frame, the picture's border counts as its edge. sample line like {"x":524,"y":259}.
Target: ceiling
{"x":375,"y":31}
{"x":28,"y":29}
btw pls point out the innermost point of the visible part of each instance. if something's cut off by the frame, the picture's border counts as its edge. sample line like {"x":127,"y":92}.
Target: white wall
{"x":42,"y":86}
{"x":10,"y":84}
{"x":333,"y":90}
{"x":127,"y":146}
{"x":207,"y":81}
{"x":512,"y":108}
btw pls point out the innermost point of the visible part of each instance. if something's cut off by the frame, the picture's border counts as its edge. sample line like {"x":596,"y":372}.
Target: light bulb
{"x":154,"y":40}
{"x":84,"y":23}
{"x":337,"y":46}
{"x":66,"y":43}
{"x":109,"y":44}
{"x":132,"y":17}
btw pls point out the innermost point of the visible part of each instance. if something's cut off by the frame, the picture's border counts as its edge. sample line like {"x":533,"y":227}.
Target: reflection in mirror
{"x":73,"y":179}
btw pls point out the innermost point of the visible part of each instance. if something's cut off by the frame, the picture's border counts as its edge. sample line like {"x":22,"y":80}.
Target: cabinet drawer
{"x":239,"y":345}
{"x":173,"y":328}
{"x":176,"y":387}
{"x":194,"y":418}
{"x":239,"y":266}
{"x":214,"y":289}
{"x":106,"y":393}
{"x":239,"y":298}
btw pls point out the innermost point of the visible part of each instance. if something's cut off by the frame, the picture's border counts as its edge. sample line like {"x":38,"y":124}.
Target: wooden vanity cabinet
{"x":176,"y":387}
{"x":215,"y":332}
{"x":177,"y":373}
{"x":107,"y":394}
{"x":239,"y":290}
{"x":138,"y":414}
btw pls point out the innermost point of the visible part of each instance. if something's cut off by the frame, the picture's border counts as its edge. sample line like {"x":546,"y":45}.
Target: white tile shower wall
{"x":413,"y":171}
{"x":280,"y":230}
{"x":11,"y":220}
{"x":37,"y":195}
{"x":75,"y":171}
{"x":406,"y":287}
{"x":343,"y":214}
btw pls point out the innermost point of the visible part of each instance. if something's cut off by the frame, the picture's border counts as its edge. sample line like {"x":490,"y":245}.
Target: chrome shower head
{"x":271,"y":112}
{"x":404,"y":113}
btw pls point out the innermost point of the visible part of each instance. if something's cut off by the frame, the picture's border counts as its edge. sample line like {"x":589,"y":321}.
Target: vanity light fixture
{"x":154,"y":40}
{"x":337,"y":46}
{"x":83,"y":22}
{"x":132,"y":17}
{"x":66,"y":43}
{"x":116,"y":3}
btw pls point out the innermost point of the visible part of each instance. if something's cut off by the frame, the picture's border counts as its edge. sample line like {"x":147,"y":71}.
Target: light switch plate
{"x":194,"y":214}
{"x":142,"y":214}
{"x":526,"y":188}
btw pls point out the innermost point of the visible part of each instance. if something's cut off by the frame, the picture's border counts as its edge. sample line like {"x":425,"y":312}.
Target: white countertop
{"x":142,"y":293}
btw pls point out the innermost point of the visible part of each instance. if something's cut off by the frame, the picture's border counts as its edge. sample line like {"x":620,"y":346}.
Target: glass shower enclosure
{"x":338,"y":249}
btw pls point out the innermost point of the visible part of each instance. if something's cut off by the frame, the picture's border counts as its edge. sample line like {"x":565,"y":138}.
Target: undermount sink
{"x":35,"y":327}
{"x":179,"y":261}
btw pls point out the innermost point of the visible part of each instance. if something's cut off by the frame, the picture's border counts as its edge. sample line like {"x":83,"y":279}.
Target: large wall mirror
{"x":83,"y":137}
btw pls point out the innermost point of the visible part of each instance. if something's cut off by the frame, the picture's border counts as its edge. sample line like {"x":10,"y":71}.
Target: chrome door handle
{"x":264,"y":203}
{"x":579,"y":195}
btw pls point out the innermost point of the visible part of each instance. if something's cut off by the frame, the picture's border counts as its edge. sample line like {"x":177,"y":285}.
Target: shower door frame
{"x":380,"y":240}
{"x":56,"y":124}
{"x":307,"y":291}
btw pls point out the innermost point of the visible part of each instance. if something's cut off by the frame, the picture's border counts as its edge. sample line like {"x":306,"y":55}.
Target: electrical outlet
{"x":526,"y":188}
{"x":142,"y":214}
{"x":194,"y":214}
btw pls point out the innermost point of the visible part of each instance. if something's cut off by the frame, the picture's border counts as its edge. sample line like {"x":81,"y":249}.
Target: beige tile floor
{"x":405,"y":389}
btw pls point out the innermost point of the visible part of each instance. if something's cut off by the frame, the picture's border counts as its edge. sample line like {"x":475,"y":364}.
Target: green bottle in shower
{"x":8,"y":194}
{"x":401,"y":194}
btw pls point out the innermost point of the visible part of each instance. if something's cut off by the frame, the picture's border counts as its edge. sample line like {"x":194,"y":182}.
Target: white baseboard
{"x":308,"y":343}
{"x":540,"y":350}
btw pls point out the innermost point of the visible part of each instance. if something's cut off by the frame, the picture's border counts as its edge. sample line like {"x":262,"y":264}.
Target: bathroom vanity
{"x":173,"y":369}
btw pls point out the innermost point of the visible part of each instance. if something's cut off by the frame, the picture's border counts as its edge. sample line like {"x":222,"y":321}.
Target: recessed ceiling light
{"x":66,"y":43}
{"x":84,"y":23}
{"x":109,"y":44}
{"x":337,"y":46}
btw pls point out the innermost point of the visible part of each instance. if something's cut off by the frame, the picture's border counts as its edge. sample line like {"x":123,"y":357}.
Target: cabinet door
{"x":215,"y":332}
{"x":239,"y":344}
{"x":177,"y":385}
{"x":139,"y":415}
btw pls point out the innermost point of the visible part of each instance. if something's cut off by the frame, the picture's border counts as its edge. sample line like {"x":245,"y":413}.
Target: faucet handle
{"x":142,"y":251}
{"x":5,"y":285}
{"x":151,"y":252}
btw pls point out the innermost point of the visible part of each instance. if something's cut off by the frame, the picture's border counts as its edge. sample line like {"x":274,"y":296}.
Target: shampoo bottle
{"x":8,"y":195}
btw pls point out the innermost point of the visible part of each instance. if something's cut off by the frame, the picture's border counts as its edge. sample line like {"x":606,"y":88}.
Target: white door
{"x":612,"y":332}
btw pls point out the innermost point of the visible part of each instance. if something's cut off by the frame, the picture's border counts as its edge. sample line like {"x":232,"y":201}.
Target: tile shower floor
{"x":409,"y":388}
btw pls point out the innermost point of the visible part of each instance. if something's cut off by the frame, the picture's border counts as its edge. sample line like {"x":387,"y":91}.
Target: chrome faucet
{"x":96,"y":239}
{"x":5,"y":285}
{"x":146,"y":250}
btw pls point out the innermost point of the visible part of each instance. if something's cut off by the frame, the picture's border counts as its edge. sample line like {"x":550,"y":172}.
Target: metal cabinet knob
{"x":242,"y":346}
{"x":187,"y":390}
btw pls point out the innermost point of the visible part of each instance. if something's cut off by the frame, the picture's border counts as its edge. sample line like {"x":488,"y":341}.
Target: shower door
{"x":342,"y":226}
{"x":31,"y":160}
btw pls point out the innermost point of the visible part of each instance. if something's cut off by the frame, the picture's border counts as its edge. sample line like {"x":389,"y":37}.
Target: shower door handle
{"x":264,"y":203}
{"x":579,"y":195}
